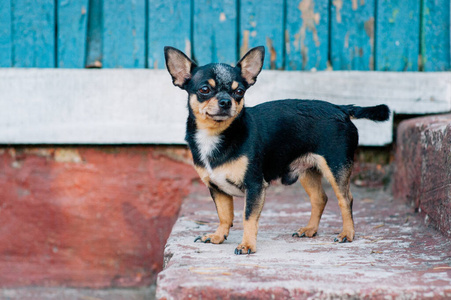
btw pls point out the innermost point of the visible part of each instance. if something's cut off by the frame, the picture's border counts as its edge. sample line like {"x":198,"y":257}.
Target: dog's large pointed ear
{"x":178,"y":65}
{"x":251,"y":64}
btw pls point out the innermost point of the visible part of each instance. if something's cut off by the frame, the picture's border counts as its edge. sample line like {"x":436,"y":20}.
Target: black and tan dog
{"x":238,"y":151}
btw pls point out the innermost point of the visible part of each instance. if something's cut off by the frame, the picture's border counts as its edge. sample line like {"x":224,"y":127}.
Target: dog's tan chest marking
{"x":227,"y":177}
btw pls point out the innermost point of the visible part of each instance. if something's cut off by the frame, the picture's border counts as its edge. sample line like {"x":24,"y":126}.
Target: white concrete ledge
{"x":129,"y":106}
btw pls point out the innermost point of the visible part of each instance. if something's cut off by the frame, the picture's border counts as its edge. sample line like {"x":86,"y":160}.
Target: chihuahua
{"x":238,"y":150}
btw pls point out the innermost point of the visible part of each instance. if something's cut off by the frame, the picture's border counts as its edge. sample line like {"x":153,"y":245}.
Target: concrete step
{"x":423,"y":168}
{"x":393,"y":256}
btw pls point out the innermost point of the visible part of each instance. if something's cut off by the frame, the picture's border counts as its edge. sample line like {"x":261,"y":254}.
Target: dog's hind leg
{"x":340,"y":181}
{"x":224,"y":207}
{"x":311,"y":181}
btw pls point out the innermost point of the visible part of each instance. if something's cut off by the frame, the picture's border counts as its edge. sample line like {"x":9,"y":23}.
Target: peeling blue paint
{"x":384,"y":35}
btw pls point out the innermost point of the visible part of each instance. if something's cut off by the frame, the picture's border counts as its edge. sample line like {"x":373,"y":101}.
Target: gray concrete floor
{"x":61,"y":293}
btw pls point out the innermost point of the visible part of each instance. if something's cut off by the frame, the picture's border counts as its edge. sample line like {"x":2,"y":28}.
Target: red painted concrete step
{"x":423,"y":168}
{"x":93,"y":217}
{"x":393,"y":255}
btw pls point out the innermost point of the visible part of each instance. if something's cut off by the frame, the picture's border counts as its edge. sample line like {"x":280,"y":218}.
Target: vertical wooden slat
{"x":307,"y":33}
{"x":5,"y":34}
{"x":352,"y":35}
{"x":435,"y":41}
{"x":215,"y":31}
{"x":72,"y":30}
{"x":124,"y":33}
{"x":397,"y":35}
{"x":169,"y":25}
{"x":94,"y":34}
{"x":33,"y":33}
{"x":261,"y":23}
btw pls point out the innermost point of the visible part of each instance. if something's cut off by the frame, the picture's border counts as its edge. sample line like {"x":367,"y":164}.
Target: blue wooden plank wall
{"x":352,"y":35}
{"x":72,"y":23}
{"x":215,"y":31}
{"x":398,"y":35}
{"x":33,"y":33}
{"x":262,"y":23}
{"x":5,"y":34}
{"x":307,"y":35}
{"x":124,"y":33}
{"x":94,"y":35}
{"x":435,"y":36}
{"x":383,"y":35}
{"x":169,"y":24}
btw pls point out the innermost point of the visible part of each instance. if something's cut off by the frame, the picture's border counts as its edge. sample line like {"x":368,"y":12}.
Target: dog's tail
{"x":376,"y":113}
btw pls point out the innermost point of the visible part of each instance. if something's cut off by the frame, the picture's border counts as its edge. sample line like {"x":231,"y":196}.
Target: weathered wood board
{"x":398,"y":35}
{"x":261,"y":24}
{"x":124,"y":33}
{"x":435,"y":33}
{"x":352,"y":35}
{"x":94,"y":35}
{"x":306,"y":35}
{"x":215,"y":31}
{"x":5,"y":34}
{"x":169,"y":25}
{"x":114,"y":106}
{"x":33,"y":33}
{"x":72,"y":28}
{"x":384,"y":35}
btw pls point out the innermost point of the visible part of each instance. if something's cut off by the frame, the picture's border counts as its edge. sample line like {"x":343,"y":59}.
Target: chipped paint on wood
{"x":98,"y":33}
{"x":245,"y":43}
{"x":123,"y":34}
{"x":94,"y":35}
{"x":264,"y":19}
{"x":5,"y":34}
{"x":338,"y":5}
{"x":72,"y":30}
{"x":369,"y":29}
{"x":307,"y":26}
{"x":435,"y":37}
{"x":352,"y":34}
{"x":272,"y":53}
{"x":398,"y":40}
{"x":33,"y":33}
{"x":169,"y":24}
{"x":215,"y":31}
{"x":188,"y":50}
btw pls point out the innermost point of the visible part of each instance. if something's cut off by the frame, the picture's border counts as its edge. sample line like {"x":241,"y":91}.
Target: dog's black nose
{"x":225,"y":103}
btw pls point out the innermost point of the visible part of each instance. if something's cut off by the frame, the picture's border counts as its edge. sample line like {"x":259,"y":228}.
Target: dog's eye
{"x":204,"y":90}
{"x":239,"y":92}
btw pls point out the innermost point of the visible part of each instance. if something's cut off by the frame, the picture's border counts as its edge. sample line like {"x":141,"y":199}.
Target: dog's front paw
{"x":345,"y":236}
{"x":245,"y":248}
{"x":305,"y":232}
{"x":212,"y":238}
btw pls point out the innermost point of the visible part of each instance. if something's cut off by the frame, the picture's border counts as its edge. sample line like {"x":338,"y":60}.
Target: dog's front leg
{"x":255,"y":199}
{"x":224,"y":207}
